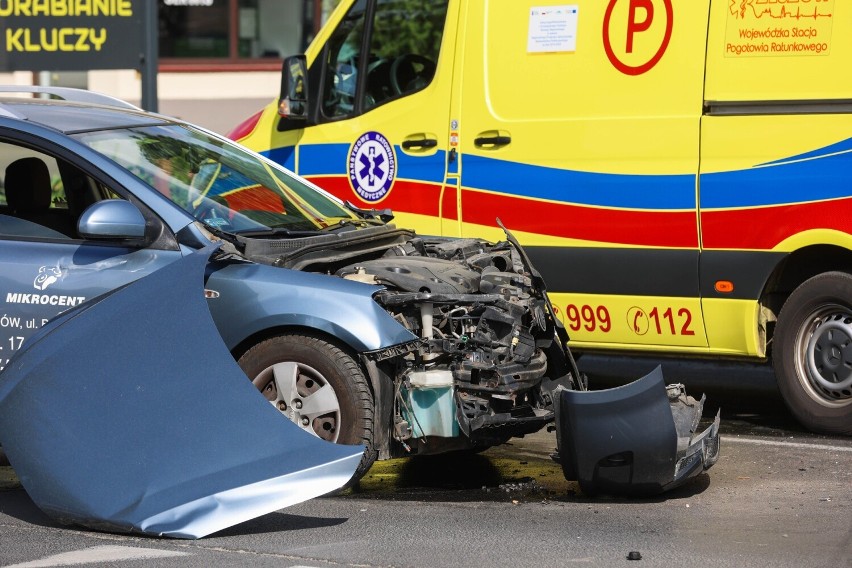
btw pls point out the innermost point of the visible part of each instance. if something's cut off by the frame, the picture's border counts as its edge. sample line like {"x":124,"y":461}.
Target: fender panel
{"x":255,"y":297}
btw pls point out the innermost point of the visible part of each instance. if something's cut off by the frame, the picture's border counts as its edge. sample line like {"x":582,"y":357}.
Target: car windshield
{"x":219,"y":183}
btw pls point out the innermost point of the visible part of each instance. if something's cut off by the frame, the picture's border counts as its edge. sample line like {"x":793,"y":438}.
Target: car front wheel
{"x":812,"y":353}
{"x":317,"y":386}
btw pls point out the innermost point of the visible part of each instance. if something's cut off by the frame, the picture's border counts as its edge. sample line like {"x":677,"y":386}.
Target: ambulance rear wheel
{"x":317,"y":386}
{"x":812,"y":353}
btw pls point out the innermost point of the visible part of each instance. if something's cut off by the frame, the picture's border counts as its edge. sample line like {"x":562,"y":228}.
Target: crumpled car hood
{"x":155,"y":429}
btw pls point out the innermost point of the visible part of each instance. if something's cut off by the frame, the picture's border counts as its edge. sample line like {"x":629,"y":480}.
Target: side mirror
{"x":293,"y":100}
{"x":111,"y":219}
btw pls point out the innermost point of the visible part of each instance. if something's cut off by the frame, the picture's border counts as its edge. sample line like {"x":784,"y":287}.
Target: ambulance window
{"x":404,"y":42}
{"x":342,"y":59}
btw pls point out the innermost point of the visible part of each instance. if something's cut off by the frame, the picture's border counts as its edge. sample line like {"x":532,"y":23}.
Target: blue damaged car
{"x":358,"y":331}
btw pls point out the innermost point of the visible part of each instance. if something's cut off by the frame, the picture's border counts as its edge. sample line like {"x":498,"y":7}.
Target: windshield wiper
{"x":278,"y":232}
{"x":353,"y":223}
{"x":343,"y":223}
{"x":382,"y":215}
{"x":226,"y":236}
{"x":350,"y":224}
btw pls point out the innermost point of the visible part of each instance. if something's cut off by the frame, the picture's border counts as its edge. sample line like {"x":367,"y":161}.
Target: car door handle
{"x":492,"y":140}
{"x":423,"y":143}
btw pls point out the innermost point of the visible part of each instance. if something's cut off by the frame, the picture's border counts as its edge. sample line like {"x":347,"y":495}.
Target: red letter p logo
{"x":633,"y":25}
{"x":637,"y":17}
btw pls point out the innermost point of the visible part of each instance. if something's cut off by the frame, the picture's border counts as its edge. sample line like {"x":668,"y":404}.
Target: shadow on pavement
{"x":276,"y":523}
{"x":16,"y":503}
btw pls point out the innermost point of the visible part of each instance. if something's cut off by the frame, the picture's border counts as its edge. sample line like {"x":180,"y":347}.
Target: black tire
{"x":305,"y":364}
{"x":812,"y":353}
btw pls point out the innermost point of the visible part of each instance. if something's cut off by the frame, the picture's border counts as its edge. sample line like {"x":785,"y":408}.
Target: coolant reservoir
{"x":431,"y":400}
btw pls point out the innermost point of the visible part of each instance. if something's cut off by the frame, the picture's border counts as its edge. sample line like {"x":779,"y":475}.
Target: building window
{"x":234,"y":33}
{"x":194,"y":30}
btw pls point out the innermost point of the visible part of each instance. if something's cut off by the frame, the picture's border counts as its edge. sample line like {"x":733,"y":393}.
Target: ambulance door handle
{"x":422,"y":143}
{"x":492,"y":140}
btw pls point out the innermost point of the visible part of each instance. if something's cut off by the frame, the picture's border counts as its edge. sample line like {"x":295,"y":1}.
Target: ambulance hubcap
{"x":825,"y":355}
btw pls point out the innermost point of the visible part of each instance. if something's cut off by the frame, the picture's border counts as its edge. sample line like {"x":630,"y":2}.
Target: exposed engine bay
{"x":490,"y":351}
{"x":486,"y":329}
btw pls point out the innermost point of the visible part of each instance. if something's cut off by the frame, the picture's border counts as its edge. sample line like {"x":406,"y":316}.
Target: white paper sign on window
{"x":552,"y":29}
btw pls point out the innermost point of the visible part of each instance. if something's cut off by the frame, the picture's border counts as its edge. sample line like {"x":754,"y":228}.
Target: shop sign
{"x":71,"y":35}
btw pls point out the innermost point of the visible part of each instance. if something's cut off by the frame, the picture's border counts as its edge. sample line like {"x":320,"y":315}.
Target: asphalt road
{"x":777,"y":497}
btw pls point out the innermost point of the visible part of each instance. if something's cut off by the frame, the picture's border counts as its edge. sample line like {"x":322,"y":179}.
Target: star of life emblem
{"x":372,"y":166}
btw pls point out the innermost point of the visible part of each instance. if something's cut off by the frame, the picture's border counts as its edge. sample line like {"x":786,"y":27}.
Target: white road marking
{"x":99,"y":554}
{"x":787,"y":444}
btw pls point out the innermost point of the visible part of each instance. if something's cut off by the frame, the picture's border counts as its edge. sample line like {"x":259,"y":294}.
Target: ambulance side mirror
{"x":293,"y":100}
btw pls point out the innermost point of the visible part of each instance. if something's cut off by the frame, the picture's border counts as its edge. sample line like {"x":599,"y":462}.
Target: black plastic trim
{"x":747,"y":270}
{"x":618,"y":271}
{"x":746,"y":108}
{"x":654,"y":272}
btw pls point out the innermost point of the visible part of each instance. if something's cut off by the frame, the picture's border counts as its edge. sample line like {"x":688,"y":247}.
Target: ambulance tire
{"x":812,"y":353}
{"x":305,"y":364}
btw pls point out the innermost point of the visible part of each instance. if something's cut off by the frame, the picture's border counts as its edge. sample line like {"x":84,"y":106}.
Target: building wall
{"x":217,"y":101}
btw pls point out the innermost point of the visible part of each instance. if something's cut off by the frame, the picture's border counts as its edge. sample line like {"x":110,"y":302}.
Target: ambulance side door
{"x":579,"y":128}
{"x":383,"y":81}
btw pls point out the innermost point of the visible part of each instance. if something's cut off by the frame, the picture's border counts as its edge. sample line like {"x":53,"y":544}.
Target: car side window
{"x":32,"y":198}
{"x":403,"y":47}
{"x":41,"y":196}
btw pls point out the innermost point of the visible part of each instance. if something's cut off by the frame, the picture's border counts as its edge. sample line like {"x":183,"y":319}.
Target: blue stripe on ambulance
{"x":842,"y":146}
{"x":331,"y":159}
{"x":818,"y":176}
{"x":633,"y":191}
{"x":285,"y":155}
{"x":811,"y":176}
{"x":663,"y":192}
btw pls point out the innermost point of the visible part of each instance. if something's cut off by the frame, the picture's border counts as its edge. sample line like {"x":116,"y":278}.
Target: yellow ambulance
{"x":679,"y":170}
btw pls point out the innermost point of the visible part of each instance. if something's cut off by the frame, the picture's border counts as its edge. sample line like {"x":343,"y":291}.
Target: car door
{"x":45,"y":267}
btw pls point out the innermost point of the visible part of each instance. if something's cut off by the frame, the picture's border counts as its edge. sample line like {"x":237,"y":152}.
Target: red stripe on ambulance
{"x":728,"y":229}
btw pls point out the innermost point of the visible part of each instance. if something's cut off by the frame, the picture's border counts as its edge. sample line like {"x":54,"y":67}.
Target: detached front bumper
{"x":638,"y":439}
